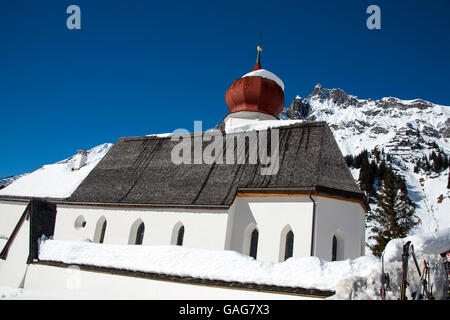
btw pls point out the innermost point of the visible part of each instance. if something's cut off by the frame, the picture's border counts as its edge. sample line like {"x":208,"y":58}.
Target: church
{"x":308,"y":205}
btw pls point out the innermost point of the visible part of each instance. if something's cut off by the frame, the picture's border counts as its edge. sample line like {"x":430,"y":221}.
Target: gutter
{"x":61,"y":201}
{"x":318,"y":190}
{"x":313,"y":231}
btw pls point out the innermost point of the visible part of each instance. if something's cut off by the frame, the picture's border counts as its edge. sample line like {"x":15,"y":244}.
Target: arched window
{"x":334,"y":249}
{"x":286,"y":243}
{"x":254,"y":244}
{"x":338,"y":246}
{"x":140,"y":234}
{"x":102,"y":234}
{"x":100,"y":230}
{"x":289,"y":247}
{"x":250,"y":240}
{"x":180,"y":236}
{"x":177,"y":237}
{"x":137,"y":232}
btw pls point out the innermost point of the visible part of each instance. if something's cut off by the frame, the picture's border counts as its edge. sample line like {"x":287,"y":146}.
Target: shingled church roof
{"x":139,"y":170}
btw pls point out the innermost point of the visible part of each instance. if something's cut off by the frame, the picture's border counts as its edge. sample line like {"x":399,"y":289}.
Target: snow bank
{"x":424,"y":244}
{"x":307,"y":272}
{"x":351,"y":279}
{"x":56,"y":180}
{"x":427,"y":247}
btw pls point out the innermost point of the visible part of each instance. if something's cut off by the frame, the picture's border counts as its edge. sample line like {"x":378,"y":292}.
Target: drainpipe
{"x":313,"y":232}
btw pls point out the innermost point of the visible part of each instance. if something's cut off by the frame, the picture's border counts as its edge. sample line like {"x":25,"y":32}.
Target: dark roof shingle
{"x":139,"y":170}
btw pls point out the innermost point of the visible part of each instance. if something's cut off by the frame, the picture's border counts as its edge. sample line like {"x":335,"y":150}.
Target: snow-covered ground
{"x":56,"y":180}
{"x":8,"y":293}
{"x":355,"y":279}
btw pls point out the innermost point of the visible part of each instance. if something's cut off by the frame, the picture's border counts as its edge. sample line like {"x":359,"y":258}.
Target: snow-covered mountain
{"x":407,"y":130}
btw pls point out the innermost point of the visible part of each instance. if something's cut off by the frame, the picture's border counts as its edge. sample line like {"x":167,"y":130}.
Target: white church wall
{"x":345,"y":219}
{"x":202,"y":229}
{"x":246,"y":117}
{"x":10,"y":213}
{"x":271,"y":216}
{"x":12,"y":270}
{"x":112,"y":286}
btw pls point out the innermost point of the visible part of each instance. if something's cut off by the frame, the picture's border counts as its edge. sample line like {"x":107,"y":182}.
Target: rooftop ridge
{"x":282,"y":127}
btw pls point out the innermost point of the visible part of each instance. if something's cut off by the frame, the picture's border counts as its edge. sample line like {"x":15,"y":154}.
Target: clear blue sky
{"x":141,"y":67}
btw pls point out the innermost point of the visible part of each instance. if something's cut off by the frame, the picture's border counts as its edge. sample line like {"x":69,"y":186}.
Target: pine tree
{"x":394,"y":215}
{"x":442,"y":159}
{"x":404,"y":209}
{"x":373,"y":168}
{"x":436,"y":162}
{"x":349,"y":160}
{"x":376,"y":153}
{"x":427,"y":165}
{"x":388,"y":158}
{"x":381,"y":170}
{"x":417,"y":166}
{"x":360,"y":158}
{"x":448,"y":183}
{"x":367,"y":175}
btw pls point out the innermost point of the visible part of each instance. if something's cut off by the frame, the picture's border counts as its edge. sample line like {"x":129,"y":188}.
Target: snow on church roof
{"x":55,"y":180}
{"x":139,"y":170}
{"x":263,"y":73}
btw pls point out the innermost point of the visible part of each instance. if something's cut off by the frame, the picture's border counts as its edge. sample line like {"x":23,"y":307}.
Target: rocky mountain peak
{"x":319,"y":93}
{"x":298,"y":109}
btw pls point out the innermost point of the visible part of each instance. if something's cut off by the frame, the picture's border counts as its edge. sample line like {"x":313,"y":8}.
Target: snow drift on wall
{"x":351,"y":279}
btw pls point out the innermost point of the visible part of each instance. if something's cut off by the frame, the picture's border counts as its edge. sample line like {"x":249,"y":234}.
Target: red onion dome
{"x":259,"y":90}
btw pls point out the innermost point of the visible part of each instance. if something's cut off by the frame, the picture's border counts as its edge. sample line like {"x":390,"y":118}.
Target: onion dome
{"x":259,"y":91}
